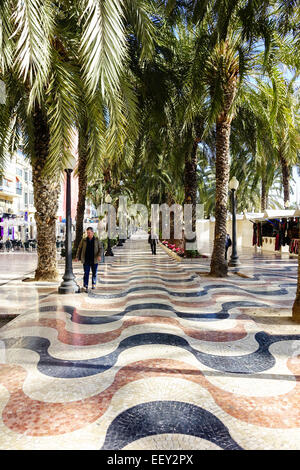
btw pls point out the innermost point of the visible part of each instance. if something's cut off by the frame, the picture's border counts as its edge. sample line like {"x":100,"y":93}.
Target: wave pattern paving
{"x":155,"y":357}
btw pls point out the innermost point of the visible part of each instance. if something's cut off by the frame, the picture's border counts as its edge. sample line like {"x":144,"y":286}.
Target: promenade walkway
{"x":157,"y":357}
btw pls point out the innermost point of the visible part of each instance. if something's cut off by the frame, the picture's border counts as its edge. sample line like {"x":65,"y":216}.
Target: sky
{"x":296,"y":187}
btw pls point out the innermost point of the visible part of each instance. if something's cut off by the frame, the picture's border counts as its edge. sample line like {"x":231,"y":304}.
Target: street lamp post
{"x":234,"y":259}
{"x":109,"y":251}
{"x":68,"y":286}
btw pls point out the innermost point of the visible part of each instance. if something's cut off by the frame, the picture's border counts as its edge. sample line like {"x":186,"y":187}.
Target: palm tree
{"x":43,"y":48}
{"x":217,"y":69}
{"x":222,"y":75}
{"x":170,"y":128}
{"x":136,"y":24}
{"x":286,"y":130}
{"x":38,"y":81}
{"x":82,"y":182}
{"x":233,"y":29}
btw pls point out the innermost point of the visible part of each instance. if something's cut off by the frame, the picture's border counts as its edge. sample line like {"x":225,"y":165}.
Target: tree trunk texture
{"x":190,"y":177}
{"x":107,"y":177}
{"x":285,"y":169}
{"x":218,"y":266}
{"x":190,"y":180}
{"x":264,"y":195}
{"x":46,"y":193}
{"x":82,"y":186}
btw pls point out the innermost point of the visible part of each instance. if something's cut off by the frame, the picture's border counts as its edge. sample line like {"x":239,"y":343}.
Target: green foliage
{"x":143,"y":80}
{"x":191,"y":254}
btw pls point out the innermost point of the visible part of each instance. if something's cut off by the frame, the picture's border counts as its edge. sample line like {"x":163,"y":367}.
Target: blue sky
{"x":296,"y":187}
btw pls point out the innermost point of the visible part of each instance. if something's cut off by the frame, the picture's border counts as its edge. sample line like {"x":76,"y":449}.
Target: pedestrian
{"x":153,"y":242}
{"x":228,"y":243}
{"x":89,"y":253}
{"x":8,"y":245}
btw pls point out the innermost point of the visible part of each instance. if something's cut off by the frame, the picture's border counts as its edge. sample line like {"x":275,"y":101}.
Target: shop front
{"x":277,"y":231}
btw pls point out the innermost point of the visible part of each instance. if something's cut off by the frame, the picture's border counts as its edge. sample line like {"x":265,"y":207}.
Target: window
{"x":19,"y":171}
{"x":4,"y":182}
{"x":26,"y":176}
{"x":26,"y":199}
{"x":31,"y":199}
{"x":18,"y":187}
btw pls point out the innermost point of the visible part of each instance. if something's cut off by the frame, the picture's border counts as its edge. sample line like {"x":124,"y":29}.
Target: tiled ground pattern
{"x":157,"y":357}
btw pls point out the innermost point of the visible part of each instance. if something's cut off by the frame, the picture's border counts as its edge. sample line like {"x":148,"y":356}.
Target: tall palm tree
{"x":82,"y":182}
{"x":38,"y":81}
{"x":286,"y":132}
{"x":40,"y":59}
{"x":137,"y":25}
{"x":233,"y":28}
{"x":222,"y":75}
{"x":172,"y":125}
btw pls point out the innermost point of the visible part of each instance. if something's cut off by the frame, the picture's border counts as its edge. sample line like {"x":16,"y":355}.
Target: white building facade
{"x":16,"y":199}
{"x":17,"y":221}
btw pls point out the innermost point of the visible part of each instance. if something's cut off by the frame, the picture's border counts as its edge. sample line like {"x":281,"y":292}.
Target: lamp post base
{"x":234,"y":262}
{"x":69,"y":287}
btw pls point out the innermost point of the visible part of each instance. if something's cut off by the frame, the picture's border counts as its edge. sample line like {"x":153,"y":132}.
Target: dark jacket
{"x":152,"y":241}
{"x":98,"y":247}
{"x":228,"y":242}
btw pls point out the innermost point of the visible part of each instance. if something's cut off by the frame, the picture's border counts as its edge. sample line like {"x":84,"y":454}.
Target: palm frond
{"x":33,"y":27}
{"x":6,"y":45}
{"x":103,"y":41}
{"x":138,"y":16}
{"x":62,"y":109}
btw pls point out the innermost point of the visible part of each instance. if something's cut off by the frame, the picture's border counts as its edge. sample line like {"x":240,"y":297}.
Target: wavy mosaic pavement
{"x":155,"y":357}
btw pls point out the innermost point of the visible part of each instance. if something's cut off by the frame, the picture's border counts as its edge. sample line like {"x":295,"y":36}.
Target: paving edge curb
{"x":170,"y":253}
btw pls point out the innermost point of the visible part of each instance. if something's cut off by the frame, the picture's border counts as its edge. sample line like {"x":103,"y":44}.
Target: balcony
{"x":7,"y":190}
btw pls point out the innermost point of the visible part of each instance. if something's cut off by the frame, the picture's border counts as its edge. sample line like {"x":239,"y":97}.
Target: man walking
{"x":228,"y":243}
{"x":89,"y":253}
{"x":153,"y":242}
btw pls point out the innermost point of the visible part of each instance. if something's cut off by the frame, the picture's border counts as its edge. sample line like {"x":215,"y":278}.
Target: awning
{"x":257,"y":216}
{"x":279,"y":214}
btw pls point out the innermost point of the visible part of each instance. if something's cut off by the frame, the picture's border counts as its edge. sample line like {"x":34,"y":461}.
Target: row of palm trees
{"x":64,"y":64}
{"x":159,"y":92}
{"x":211,"y":75}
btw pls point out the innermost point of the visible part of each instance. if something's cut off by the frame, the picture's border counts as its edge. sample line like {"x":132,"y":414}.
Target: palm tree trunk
{"x":285,"y":178}
{"x":190,"y":175}
{"x":264,"y":195}
{"x":190,"y":180}
{"x":218,"y":266}
{"x":82,"y":186}
{"x":46,"y":192}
